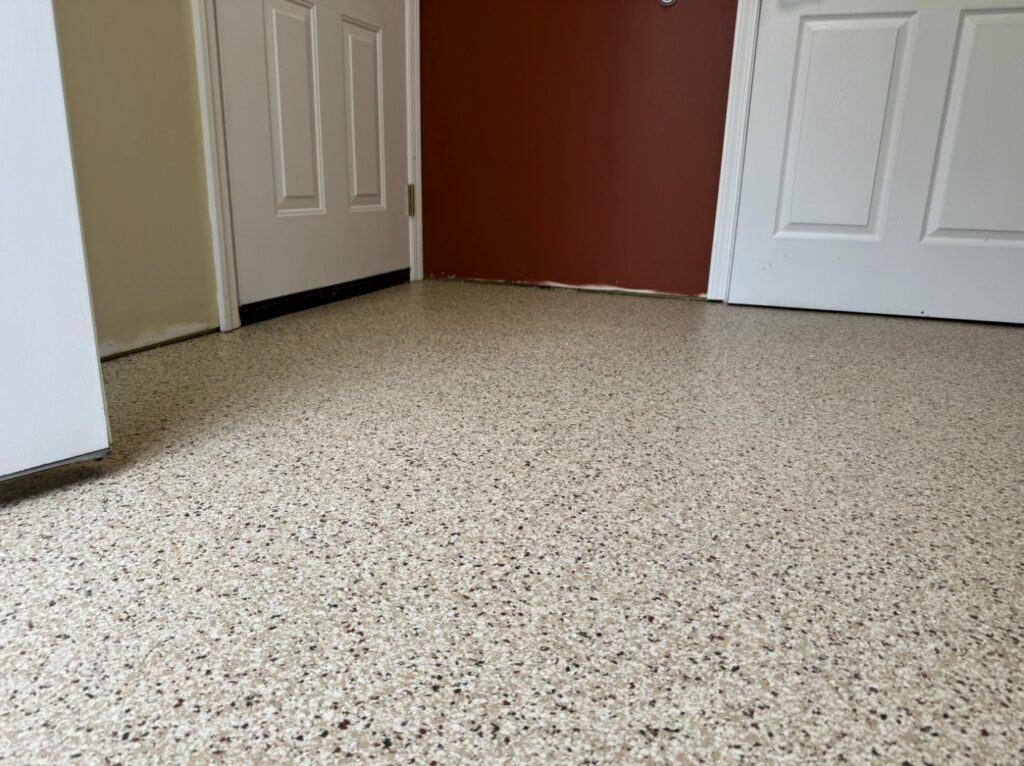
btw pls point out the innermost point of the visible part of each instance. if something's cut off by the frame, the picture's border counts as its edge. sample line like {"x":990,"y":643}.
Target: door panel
{"x":315,"y":116}
{"x":848,"y":91}
{"x":363,"y":102}
{"x":884,"y":159}
{"x":294,"y":106}
{"x":982,"y":133}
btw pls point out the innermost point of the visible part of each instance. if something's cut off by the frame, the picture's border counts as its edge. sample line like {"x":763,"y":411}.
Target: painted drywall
{"x":133,"y":108}
{"x":576,"y":141}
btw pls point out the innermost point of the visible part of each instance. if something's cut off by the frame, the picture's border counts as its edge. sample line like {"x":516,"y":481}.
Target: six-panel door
{"x":315,"y":116}
{"x":885,"y":159}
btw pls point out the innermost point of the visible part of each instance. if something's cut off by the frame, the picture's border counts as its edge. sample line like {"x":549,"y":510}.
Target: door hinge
{"x":412,"y":200}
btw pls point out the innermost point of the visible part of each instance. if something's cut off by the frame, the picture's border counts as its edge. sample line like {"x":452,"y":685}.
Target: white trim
{"x":204,"y":20}
{"x":741,"y":83}
{"x":413,"y":131}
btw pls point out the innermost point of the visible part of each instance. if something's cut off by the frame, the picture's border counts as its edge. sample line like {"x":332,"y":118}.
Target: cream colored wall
{"x":133,"y":105}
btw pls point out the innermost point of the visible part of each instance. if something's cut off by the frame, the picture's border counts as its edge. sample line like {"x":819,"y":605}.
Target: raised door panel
{"x":291,"y":39}
{"x":978,"y":189}
{"x":364,"y":103}
{"x":846,"y":101}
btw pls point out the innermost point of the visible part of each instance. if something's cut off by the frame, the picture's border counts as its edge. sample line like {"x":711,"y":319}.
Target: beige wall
{"x":133,"y":105}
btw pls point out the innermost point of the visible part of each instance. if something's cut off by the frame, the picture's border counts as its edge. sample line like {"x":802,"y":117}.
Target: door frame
{"x":741,"y":83}
{"x":211,"y":107}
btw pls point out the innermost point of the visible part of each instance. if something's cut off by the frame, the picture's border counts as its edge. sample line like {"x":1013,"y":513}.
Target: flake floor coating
{"x":462,"y":523}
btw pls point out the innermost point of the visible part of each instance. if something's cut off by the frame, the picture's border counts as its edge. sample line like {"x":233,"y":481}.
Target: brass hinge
{"x":412,"y":200}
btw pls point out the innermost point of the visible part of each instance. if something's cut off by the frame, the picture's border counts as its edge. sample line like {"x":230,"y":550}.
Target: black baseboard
{"x":289,"y":304}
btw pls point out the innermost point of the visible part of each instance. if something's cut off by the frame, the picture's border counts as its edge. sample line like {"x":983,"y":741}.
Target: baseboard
{"x":289,"y":304}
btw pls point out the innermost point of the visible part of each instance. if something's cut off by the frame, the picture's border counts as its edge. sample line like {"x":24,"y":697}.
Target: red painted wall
{"x":574,"y":141}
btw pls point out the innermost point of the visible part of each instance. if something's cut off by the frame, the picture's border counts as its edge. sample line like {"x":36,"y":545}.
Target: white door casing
{"x":315,"y":117}
{"x":51,"y":391}
{"x":883,"y":161}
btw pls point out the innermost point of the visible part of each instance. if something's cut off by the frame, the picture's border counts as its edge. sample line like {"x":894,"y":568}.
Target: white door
{"x":884,"y":169}
{"x":51,"y":393}
{"x":315,"y":115}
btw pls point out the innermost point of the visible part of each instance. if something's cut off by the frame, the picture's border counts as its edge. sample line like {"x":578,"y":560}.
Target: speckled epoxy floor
{"x":463,"y":523}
